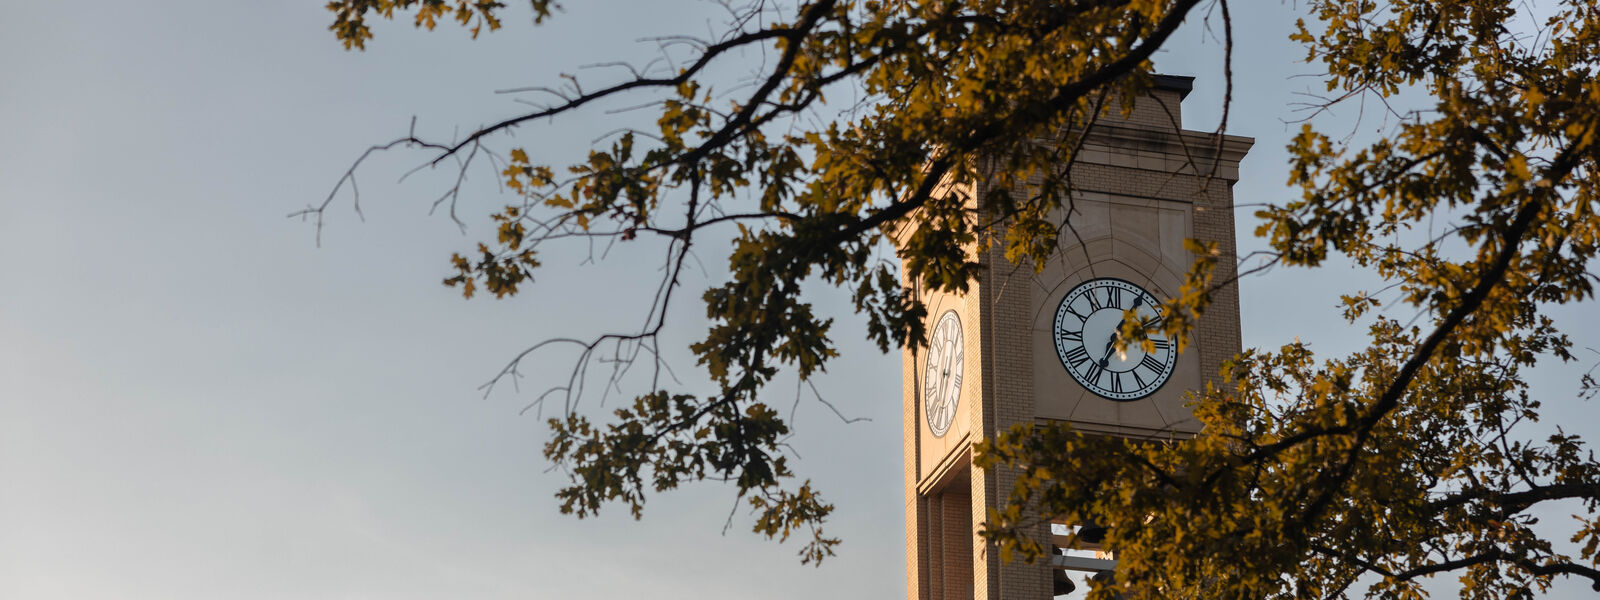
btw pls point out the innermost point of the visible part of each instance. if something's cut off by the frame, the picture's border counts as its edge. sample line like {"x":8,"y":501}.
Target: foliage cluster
{"x":1387,"y":466}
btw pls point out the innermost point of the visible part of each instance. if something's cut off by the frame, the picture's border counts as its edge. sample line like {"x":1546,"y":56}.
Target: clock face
{"x":941,"y":380}
{"x":1086,"y":332}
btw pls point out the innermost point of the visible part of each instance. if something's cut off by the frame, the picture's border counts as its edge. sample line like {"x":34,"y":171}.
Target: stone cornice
{"x":1165,"y":151}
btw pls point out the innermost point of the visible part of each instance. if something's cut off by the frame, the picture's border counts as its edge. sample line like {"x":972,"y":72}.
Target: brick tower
{"x":1021,"y":347}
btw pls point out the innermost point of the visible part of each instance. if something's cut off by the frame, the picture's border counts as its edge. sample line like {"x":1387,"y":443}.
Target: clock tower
{"x":1023,"y":347}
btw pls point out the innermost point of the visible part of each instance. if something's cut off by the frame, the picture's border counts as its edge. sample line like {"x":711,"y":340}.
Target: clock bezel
{"x":959,"y":373}
{"x":1169,"y":366}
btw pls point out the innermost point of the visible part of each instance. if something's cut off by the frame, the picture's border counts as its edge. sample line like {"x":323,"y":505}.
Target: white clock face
{"x":941,"y":380}
{"x":1086,"y":333}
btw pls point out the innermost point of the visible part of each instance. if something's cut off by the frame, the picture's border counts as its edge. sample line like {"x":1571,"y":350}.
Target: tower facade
{"x":1023,"y":346}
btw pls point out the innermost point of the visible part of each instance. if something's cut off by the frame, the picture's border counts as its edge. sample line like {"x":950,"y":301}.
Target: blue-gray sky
{"x":197,"y":401}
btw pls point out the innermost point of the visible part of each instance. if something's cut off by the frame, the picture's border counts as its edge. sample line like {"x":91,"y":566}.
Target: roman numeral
{"x":1151,"y":363}
{"x":1071,"y":336}
{"x":1094,"y":373}
{"x":1161,"y":344}
{"x":1116,"y":383}
{"x":1094,"y":300}
{"x":1074,"y":311}
{"x":1114,"y":297}
{"x":1077,"y":356}
{"x":1137,"y":379}
{"x":1153,"y":322}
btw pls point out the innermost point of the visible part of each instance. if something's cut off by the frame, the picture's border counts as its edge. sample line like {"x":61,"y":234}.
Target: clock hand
{"x":1105,"y":357}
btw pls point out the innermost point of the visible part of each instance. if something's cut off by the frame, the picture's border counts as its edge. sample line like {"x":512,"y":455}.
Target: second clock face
{"x":1085,"y":335}
{"x":941,"y":393}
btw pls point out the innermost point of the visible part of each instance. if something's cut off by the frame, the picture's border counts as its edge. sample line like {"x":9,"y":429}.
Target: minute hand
{"x":1105,"y":358}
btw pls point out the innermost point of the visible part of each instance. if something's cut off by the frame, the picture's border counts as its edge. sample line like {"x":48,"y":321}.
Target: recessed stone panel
{"x":1088,"y":220}
{"x":1137,"y":224}
{"x":1173,"y":227}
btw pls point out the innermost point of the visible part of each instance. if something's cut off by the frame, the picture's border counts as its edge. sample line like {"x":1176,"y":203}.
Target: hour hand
{"x":1105,"y":357}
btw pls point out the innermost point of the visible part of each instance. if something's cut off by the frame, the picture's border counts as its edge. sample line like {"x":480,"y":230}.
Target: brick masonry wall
{"x":1008,"y":401}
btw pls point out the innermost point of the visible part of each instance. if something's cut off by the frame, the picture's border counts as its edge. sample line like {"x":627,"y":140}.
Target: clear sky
{"x":198,"y":401}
